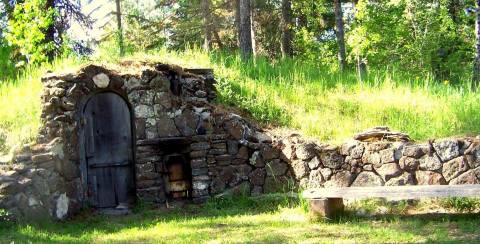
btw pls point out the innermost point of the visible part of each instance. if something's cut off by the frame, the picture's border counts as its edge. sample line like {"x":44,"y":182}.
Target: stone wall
{"x":384,"y":163}
{"x":173,"y":112}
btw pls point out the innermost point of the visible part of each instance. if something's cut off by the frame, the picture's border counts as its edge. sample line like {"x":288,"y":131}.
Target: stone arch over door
{"x":107,"y":151}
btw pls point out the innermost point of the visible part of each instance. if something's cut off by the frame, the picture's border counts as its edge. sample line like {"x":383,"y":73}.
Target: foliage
{"x":418,"y":35}
{"x":27,"y":30}
{"x":20,"y":106}
{"x":461,"y":204}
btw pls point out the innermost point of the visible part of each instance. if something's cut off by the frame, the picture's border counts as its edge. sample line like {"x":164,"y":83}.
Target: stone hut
{"x":109,"y":139}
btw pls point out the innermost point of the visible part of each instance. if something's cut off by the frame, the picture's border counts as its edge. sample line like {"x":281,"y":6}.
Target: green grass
{"x":242,"y":220}
{"x":20,"y":103}
{"x":308,"y":97}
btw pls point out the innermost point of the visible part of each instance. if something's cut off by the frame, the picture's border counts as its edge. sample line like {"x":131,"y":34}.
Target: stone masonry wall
{"x":383,"y":163}
{"x":227,"y":154}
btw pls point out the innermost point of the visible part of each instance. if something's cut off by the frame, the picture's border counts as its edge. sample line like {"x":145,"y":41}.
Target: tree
{"x":207,"y":24}
{"x":476,"y":63}
{"x":27,"y":29}
{"x":340,"y":34}
{"x":245,"y":29}
{"x":119,"y":28}
{"x":287,"y":32}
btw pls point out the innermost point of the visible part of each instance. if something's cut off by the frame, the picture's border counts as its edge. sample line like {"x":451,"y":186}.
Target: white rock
{"x":101,"y":80}
{"x":62,"y":206}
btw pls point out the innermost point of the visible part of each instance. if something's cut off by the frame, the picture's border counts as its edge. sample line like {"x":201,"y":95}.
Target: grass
{"x":242,"y":220}
{"x":20,"y":103}
{"x":313,"y":99}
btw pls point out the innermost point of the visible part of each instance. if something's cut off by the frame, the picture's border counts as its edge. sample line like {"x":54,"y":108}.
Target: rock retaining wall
{"x":384,"y":163}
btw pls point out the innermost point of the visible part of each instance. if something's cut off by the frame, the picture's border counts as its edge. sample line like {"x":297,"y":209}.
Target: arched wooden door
{"x":108,"y":151}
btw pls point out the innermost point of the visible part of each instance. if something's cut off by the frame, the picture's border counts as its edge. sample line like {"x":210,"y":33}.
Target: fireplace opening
{"x":178,"y":180}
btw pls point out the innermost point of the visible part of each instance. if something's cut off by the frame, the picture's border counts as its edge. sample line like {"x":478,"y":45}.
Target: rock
{"x":269,"y":153}
{"x":415,"y":151}
{"x":287,"y":151}
{"x":276,"y":168}
{"x":368,"y":167}
{"x":447,"y":149}
{"x":314,"y":163}
{"x":262,"y":137}
{"x":144,"y":111}
{"x":371,"y":158}
{"x":388,"y":171}
{"x":367,"y":179}
{"x":186,"y":123}
{"x":300,"y":168}
{"x":257,"y":176}
{"x":326,"y":173}
{"x":377,"y":146}
{"x":331,"y":158}
{"x":429,"y":178}
{"x":61,"y":207}
{"x":340,"y":179}
{"x":357,"y":152}
{"x":44,"y":157}
{"x":234,"y":128}
{"x":381,"y":133}
{"x":200,"y":185}
{"x":409,"y":164}
{"x":232,"y":147}
{"x":243,"y":152}
{"x":200,"y":146}
{"x":256,"y":159}
{"x":430,"y":163}
{"x":472,"y":163}
{"x":387,"y":156}
{"x":315,"y":179}
{"x":101,"y":80}
{"x":305,"y":151}
{"x":347,"y":146}
{"x":404,"y":179}
{"x":200,"y":94}
{"x":468,"y":177}
{"x":454,"y":168}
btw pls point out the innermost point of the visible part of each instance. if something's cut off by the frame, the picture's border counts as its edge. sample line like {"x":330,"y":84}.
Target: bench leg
{"x":326,"y":207}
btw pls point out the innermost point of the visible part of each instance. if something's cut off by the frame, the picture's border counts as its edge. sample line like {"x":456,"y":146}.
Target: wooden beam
{"x":395,"y":192}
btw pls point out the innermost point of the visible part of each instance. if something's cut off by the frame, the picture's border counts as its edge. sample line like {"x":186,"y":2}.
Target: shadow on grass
{"x":237,"y":219}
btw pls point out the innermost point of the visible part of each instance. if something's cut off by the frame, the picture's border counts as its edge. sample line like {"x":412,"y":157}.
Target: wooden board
{"x":395,"y":192}
{"x":108,"y":150}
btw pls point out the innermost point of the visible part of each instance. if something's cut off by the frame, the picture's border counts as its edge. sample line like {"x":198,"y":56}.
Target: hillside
{"x":287,"y":94}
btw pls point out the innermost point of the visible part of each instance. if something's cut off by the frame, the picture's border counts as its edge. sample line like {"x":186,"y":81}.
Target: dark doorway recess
{"x":179,"y":177}
{"x":108,"y":152}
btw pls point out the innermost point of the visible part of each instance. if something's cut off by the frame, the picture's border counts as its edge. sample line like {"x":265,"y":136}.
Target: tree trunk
{"x":245,"y":30}
{"x":252,"y":26}
{"x":287,"y":35}
{"x":119,"y":28}
{"x":50,"y":32}
{"x":476,"y":63}
{"x":207,"y":25}
{"x":237,"y":21}
{"x":454,"y":8}
{"x":340,"y":34}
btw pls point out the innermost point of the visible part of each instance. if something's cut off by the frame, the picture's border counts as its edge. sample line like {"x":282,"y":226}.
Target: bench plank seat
{"x":328,"y":202}
{"x":396,"y":192}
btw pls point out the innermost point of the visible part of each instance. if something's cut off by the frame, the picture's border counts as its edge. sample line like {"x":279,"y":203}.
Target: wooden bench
{"x":328,"y":202}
